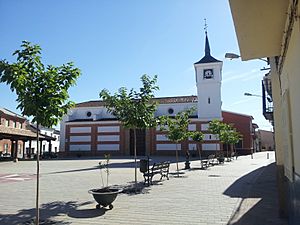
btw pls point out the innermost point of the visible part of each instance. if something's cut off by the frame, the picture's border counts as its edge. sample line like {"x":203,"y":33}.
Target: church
{"x":89,"y":130}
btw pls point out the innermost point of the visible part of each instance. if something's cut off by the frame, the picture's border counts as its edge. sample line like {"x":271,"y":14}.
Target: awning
{"x":259,"y":26}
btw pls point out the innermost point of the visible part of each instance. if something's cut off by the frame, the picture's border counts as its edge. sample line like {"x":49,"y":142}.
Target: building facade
{"x":272,"y":29}
{"x":15,"y":134}
{"x":89,"y":130}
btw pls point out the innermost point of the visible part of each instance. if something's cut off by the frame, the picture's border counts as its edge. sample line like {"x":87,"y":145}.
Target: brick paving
{"x":222,"y":194}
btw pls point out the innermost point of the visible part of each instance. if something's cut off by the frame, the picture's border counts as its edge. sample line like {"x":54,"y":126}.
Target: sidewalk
{"x":205,"y":197}
{"x":260,"y":205}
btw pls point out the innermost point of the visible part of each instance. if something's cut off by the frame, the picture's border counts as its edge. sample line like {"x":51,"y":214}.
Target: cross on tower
{"x":205,"y":26}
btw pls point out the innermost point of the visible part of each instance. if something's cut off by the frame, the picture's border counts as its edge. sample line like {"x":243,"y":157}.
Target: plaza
{"x":229,"y":193}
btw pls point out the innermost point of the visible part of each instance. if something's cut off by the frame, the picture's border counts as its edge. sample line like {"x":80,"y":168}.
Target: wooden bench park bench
{"x":210,"y":161}
{"x":161,"y":168}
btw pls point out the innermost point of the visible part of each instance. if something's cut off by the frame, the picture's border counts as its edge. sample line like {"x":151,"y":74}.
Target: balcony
{"x":267,"y":101}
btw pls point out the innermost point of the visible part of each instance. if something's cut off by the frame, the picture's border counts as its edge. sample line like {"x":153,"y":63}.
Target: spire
{"x":207,"y":48}
{"x":207,"y":57}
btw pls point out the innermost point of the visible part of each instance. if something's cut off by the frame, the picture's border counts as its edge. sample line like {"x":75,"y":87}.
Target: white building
{"x":45,"y":146}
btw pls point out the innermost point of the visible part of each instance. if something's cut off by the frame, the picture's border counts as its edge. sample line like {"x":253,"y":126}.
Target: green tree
{"x":215,"y":127}
{"x":135,"y":109}
{"x":235,"y":137}
{"x":197,"y":136}
{"x":177,"y":128}
{"x":225,"y":132}
{"x":41,"y":90}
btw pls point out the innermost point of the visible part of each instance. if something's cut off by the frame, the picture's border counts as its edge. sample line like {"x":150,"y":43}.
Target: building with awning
{"x":15,"y":130}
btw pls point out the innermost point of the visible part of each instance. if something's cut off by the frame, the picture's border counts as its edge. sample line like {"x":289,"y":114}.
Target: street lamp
{"x":231,"y":56}
{"x":260,"y":96}
{"x":249,"y":94}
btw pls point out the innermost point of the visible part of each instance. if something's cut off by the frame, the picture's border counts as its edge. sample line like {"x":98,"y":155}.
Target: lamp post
{"x":259,"y":96}
{"x":231,"y":56}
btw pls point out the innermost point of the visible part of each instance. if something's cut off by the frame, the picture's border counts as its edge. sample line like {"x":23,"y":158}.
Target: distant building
{"x":46,"y":146}
{"x":266,"y":139}
{"x":89,"y":130}
{"x":15,"y":131}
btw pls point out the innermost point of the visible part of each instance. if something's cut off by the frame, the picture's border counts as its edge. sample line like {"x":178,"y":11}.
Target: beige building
{"x":271,"y":28}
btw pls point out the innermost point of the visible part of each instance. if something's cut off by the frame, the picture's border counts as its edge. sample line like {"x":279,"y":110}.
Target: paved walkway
{"x":233,"y":193}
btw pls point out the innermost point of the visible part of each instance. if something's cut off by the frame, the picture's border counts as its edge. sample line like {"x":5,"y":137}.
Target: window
{"x":14,"y":124}
{"x":170,"y":111}
{"x":19,"y":149}
{"x":6,"y":123}
{"x":88,"y":114}
{"x":5,"y":148}
{"x":239,"y":145}
{"x":208,"y":100}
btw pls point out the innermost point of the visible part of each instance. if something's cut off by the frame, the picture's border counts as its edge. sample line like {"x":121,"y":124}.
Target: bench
{"x":208,"y":162}
{"x":161,"y":168}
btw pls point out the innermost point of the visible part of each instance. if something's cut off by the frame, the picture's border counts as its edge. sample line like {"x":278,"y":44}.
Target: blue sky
{"x":114,"y":42}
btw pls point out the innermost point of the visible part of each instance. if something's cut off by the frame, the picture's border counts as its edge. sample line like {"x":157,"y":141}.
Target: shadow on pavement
{"x":259,"y":203}
{"x":113,"y":165}
{"x":50,"y":210}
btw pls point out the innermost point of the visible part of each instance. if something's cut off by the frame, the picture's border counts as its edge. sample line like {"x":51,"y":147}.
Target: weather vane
{"x":205,"y":26}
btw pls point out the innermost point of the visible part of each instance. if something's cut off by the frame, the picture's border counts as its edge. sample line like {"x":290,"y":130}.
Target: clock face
{"x":208,"y":74}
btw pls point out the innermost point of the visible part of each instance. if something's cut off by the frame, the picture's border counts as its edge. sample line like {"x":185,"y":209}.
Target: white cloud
{"x":241,"y":76}
{"x":239,"y":102}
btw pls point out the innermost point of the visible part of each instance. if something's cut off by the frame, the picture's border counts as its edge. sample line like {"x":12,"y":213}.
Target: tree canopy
{"x":135,"y":109}
{"x":42,"y":91}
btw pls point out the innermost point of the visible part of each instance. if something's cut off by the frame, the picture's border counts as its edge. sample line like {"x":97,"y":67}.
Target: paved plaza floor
{"x":223,"y":194}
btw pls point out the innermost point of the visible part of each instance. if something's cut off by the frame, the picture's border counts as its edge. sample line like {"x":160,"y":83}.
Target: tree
{"x":134,"y":109}
{"x":177,"y":128}
{"x":235,"y":137}
{"x":41,"y":90}
{"x":197,"y":136}
{"x":226,"y":133}
{"x":216,"y":126}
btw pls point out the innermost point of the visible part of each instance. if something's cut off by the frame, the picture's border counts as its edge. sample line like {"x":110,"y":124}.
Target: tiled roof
{"x":15,"y":131}
{"x":25,"y":133}
{"x":161,"y":100}
{"x":10,"y":113}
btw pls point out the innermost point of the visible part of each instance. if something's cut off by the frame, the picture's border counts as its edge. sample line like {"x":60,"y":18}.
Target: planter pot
{"x":105,"y":196}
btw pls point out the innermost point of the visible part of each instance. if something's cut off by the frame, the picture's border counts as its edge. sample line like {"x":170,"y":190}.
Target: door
{"x":140,"y":142}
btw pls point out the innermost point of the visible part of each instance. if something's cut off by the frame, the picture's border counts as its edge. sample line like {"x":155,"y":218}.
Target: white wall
{"x":209,"y":89}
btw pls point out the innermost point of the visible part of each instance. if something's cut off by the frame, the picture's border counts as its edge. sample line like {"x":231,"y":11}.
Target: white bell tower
{"x":208,"y":81}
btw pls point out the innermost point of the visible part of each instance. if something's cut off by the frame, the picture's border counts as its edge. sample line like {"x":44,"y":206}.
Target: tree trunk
{"x":227,"y":152}
{"x":135,"y":161}
{"x":177,"y":159}
{"x":199,"y":151}
{"x":37,"y":221}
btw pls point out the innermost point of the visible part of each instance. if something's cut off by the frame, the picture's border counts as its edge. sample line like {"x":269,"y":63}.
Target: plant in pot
{"x":105,"y":195}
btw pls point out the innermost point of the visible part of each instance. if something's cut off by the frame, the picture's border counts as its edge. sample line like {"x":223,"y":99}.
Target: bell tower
{"x":208,"y":81}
